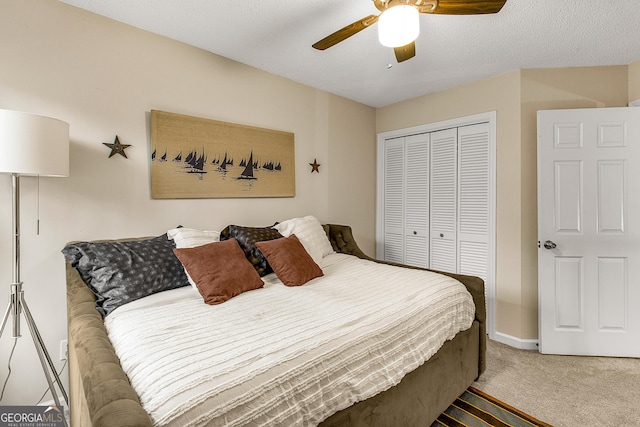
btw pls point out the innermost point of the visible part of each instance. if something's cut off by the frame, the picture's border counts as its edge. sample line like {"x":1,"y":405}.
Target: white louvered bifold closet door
{"x":394,"y":200}
{"x":417,"y":200}
{"x":473,"y":200}
{"x":436,"y":200}
{"x":443,"y":200}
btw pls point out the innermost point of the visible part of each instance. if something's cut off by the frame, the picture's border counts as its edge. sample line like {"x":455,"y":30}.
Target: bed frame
{"x":101,"y":395}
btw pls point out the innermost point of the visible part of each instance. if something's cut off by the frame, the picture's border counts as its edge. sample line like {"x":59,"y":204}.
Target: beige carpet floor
{"x":565,"y":391}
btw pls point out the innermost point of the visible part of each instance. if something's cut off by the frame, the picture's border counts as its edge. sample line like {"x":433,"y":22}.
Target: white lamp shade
{"x":33,"y":145}
{"x":398,"y":26}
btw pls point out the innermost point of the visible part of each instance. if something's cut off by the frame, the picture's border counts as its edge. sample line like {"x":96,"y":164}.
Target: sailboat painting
{"x":247,"y":173}
{"x":214,"y":159}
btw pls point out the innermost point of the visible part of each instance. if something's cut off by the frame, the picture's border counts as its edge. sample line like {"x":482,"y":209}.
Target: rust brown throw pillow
{"x":289,"y":260}
{"x":219,"y":270}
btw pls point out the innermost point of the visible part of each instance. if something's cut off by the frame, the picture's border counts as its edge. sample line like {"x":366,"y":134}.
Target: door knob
{"x":549,"y":245}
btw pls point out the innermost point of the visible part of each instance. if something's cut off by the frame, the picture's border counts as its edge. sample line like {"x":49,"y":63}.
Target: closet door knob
{"x":415,"y":232}
{"x":441,"y":234}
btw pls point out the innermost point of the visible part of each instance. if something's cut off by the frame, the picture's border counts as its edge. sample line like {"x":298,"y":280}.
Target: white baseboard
{"x":522,"y":344}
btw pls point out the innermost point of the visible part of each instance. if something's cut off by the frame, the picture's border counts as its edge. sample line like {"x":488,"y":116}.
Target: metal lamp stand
{"x":18,"y":304}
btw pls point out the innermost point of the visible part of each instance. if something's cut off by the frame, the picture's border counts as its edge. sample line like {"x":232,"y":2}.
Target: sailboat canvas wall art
{"x":193,"y":157}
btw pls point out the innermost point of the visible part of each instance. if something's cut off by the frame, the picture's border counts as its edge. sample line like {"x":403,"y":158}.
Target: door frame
{"x":488,"y":117}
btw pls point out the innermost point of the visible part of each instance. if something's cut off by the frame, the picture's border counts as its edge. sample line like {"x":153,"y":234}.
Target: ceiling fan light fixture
{"x":398,"y":26}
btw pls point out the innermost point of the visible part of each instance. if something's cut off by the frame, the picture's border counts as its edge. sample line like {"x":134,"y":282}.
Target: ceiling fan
{"x":407,"y":48}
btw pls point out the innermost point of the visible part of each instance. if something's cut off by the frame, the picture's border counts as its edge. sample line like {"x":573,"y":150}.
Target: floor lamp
{"x":31,"y":145}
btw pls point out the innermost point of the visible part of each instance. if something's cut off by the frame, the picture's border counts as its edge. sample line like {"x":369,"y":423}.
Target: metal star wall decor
{"x":315,"y":166}
{"x":117,"y":148}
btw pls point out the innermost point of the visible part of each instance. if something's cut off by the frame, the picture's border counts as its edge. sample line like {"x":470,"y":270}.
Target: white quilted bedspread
{"x":285,"y":355}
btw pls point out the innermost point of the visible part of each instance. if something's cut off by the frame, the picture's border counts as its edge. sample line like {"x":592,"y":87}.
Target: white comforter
{"x":285,"y":355}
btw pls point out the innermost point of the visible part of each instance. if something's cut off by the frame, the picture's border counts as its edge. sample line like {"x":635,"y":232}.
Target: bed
{"x":103,"y":395}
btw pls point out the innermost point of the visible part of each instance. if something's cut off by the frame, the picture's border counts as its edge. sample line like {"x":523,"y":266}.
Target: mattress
{"x":285,"y":355}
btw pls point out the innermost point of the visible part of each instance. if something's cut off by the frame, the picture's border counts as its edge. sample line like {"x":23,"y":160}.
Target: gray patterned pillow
{"x":247,"y":238}
{"x":119,"y":272}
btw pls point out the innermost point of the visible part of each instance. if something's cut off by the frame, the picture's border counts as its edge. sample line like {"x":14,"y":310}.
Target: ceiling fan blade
{"x":405,"y":52}
{"x":345,"y":33}
{"x":468,"y":7}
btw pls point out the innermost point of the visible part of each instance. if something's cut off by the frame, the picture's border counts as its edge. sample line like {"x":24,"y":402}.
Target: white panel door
{"x":416,"y":193}
{"x":394,"y":200}
{"x":589,"y":231}
{"x":443,"y":198}
{"x":473,"y":200}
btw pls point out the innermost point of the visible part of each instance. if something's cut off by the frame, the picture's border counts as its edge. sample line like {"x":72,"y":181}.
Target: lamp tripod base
{"x":18,"y":305}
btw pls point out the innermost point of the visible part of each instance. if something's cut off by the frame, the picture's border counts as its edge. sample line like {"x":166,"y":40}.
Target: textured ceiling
{"x":276,"y":36}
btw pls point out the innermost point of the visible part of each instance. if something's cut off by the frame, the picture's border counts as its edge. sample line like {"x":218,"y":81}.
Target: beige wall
{"x":103,"y":78}
{"x":516,"y":97}
{"x":352,"y":162}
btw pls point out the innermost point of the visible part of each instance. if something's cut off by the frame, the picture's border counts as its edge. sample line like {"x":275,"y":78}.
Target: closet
{"x":436,"y":196}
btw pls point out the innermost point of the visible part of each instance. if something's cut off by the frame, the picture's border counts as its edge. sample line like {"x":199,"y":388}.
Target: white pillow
{"x":310,"y":233}
{"x":190,"y":238}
